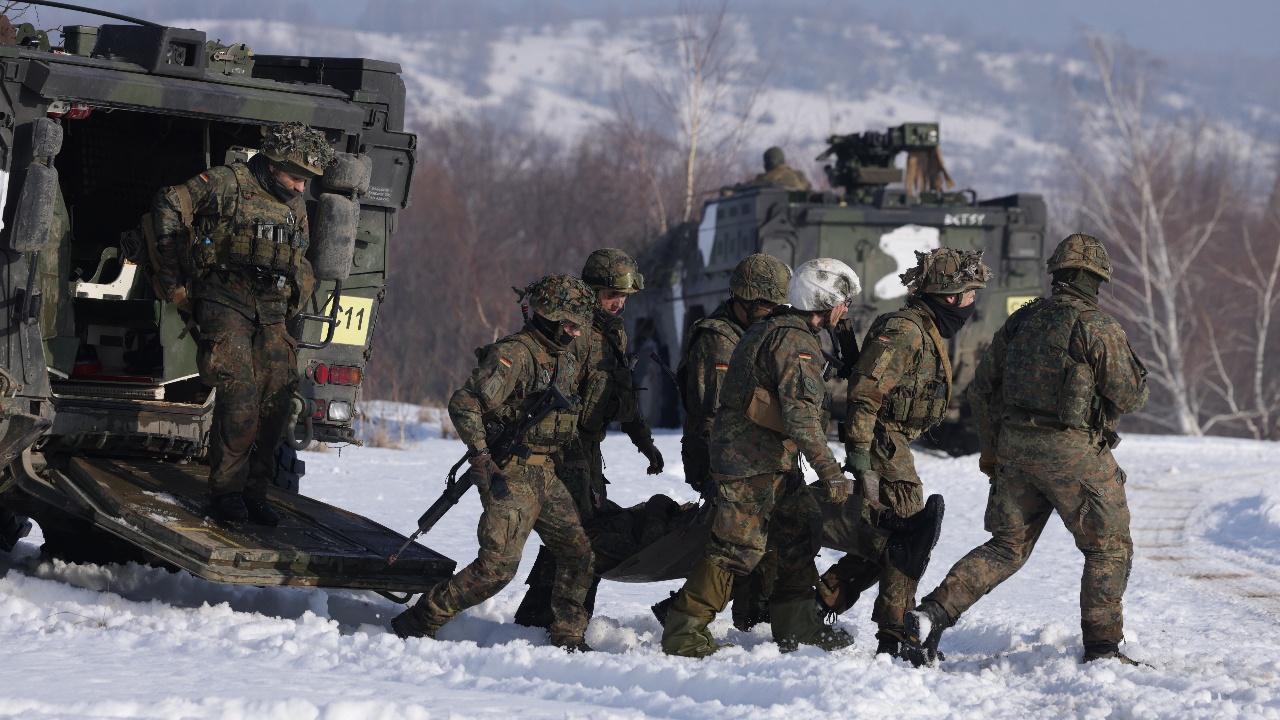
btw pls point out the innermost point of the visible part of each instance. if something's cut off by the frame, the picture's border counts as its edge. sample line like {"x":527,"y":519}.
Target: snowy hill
{"x":1203,"y":608}
{"x":1002,"y":105}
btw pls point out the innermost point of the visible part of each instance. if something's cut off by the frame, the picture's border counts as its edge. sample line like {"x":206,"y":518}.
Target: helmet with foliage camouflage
{"x":821,"y":284}
{"x":1081,"y":251}
{"x":760,"y":277}
{"x":945,"y":271}
{"x":612,"y":269}
{"x":561,"y":298}
{"x":297,"y":149}
{"x":773,"y":157}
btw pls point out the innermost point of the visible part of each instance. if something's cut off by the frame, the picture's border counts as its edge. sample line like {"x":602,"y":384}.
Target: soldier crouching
{"x":512,"y":374}
{"x":231,"y":242}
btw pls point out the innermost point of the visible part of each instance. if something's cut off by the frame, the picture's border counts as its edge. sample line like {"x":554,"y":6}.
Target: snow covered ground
{"x":1203,"y":608}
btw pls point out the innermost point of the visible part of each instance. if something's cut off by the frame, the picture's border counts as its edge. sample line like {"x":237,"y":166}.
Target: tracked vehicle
{"x":104,"y":426}
{"x":874,"y":225}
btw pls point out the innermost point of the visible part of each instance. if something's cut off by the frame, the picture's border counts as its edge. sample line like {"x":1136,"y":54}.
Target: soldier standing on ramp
{"x":771,"y":411}
{"x":609,"y":395}
{"x":513,"y":373}
{"x":1046,"y":397}
{"x":231,"y":241}
{"x":900,"y":387}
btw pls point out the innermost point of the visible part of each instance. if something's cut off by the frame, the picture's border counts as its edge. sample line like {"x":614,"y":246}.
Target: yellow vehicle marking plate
{"x":354,"y":316}
{"x":1013,"y":302}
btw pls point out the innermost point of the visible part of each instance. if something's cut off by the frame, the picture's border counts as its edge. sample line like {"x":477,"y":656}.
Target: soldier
{"x":900,"y":387}
{"x":1046,"y":397}
{"x":758,"y":284}
{"x":231,"y":243}
{"x":771,"y":411}
{"x":512,"y":374}
{"x":778,"y":172}
{"x":609,"y":395}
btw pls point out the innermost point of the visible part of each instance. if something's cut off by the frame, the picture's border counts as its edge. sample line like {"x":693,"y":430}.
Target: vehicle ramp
{"x":160,"y":507}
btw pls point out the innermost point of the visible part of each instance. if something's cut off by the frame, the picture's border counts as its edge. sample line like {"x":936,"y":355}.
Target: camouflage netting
{"x":945,"y":271}
{"x":1081,"y":251}
{"x":298,"y":149}
{"x":561,"y":298}
{"x":760,"y":277}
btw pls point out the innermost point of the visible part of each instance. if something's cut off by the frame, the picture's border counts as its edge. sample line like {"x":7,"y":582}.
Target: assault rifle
{"x":505,"y":446}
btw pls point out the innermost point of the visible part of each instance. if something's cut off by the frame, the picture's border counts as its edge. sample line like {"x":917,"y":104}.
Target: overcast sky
{"x":1165,"y":27}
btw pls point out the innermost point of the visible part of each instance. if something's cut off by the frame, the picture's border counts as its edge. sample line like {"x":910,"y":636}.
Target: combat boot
{"x":13,"y":527}
{"x":887,"y":645}
{"x":687,"y":636}
{"x":911,"y":539}
{"x":795,"y":623}
{"x":662,"y":607}
{"x":261,"y":512}
{"x":572,"y":645}
{"x":923,"y":628}
{"x":417,"y":621}
{"x":1107,"y":651}
{"x":229,"y":508}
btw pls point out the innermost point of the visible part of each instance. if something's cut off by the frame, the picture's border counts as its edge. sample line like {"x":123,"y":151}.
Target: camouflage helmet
{"x":297,"y":149}
{"x":1081,"y":251}
{"x":821,"y":284}
{"x":561,"y":298}
{"x":773,"y":157}
{"x":612,"y":269}
{"x":760,"y":277}
{"x":946,"y":271}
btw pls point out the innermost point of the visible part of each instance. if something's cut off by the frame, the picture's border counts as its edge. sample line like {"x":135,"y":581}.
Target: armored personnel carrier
{"x":103,"y":420}
{"x":875,"y":224}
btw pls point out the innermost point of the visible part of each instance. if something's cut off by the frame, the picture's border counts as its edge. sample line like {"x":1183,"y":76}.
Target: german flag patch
{"x":722,"y":366}
{"x":804,"y":356}
{"x":204,"y":177}
{"x":885,"y":338}
{"x":505,"y":362}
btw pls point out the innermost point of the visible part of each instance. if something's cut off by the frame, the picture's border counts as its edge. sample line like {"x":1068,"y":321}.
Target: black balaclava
{"x":260,"y":166}
{"x":1080,"y":280}
{"x":551,"y":331}
{"x":949,"y":318}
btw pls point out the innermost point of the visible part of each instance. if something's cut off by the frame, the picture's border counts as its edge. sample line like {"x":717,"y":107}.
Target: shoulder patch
{"x":205,"y":177}
{"x":804,"y":355}
{"x":504,"y":361}
{"x":722,"y":366}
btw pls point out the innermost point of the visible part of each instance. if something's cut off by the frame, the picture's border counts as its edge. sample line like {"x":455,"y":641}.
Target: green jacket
{"x":782,"y":356}
{"x":702,"y":371}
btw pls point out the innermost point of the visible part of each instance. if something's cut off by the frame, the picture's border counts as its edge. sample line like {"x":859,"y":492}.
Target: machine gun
{"x":864,"y":161}
{"x":503,"y":448}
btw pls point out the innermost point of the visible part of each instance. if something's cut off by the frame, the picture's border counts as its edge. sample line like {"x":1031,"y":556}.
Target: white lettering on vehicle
{"x":963,"y":218}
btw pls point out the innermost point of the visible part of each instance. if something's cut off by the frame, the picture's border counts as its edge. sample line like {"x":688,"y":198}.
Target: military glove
{"x":857,"y":462}
{"x":650,"y":451}
{"x":987,"y":464}
{"x":483,"y":470}
{"x":838,"y":487}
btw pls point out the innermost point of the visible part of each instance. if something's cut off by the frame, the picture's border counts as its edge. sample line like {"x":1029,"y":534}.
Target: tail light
{"x":335,"y":375}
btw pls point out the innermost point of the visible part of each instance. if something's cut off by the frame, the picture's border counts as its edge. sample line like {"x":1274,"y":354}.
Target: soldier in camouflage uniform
{"x":608,"y":395}
{"x":758,"y":284}
{"x":900,"y":387}
{"x":512,"y":374}
{"x":771,"y":411}
{"x":1046,"y":397}
{"x":230,"y":243}
{"x":778,"y":172}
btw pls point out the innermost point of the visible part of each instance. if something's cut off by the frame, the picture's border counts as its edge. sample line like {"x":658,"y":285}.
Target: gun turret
{"x":864,"y":161}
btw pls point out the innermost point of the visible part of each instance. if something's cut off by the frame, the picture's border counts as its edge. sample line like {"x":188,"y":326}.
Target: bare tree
{"x":1160,"y":193}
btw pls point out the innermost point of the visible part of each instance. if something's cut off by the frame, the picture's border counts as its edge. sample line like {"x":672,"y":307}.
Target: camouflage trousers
{"x":538,"y":502}
{"x":771,"y":513}
{"x":580,"y":466}
{"x":254,"y":369}
{"x":1094,"y":509}
{"x":900,"y":490}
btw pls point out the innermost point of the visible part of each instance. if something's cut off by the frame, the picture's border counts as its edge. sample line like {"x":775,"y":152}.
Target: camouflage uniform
{"x":702,"y":371}
{"x":763,"y":502}
{"x":1046,"y":395}
{"x":510,"y":377}
{"x":245,"y":352}
{"x":900,"y":387}
{"x":777,"y":172}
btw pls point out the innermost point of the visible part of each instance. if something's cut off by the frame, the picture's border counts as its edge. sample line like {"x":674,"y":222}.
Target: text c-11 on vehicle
{"x":873,"y":226}
{"x":104,"y":422}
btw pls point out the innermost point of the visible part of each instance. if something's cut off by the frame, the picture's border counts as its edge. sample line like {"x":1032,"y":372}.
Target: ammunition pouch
{"x":1076,"y":399}
{"x":919,"y":406}
{"x":597,"y":408}
{"x":765,"y":409}
{"x":555,"y":430}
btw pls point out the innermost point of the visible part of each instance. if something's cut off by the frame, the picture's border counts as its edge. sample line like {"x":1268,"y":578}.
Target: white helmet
{"x":821,"y":284}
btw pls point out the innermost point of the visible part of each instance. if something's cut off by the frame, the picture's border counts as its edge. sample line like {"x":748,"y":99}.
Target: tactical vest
{"x":260,"y":234}
{"x":740,"y":388}
{"x":558,"y":427}
{"x":1040,"y":374}
{"x":713,"y":323}
{"x":602,"y":403}
{"x":920,"y":399}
